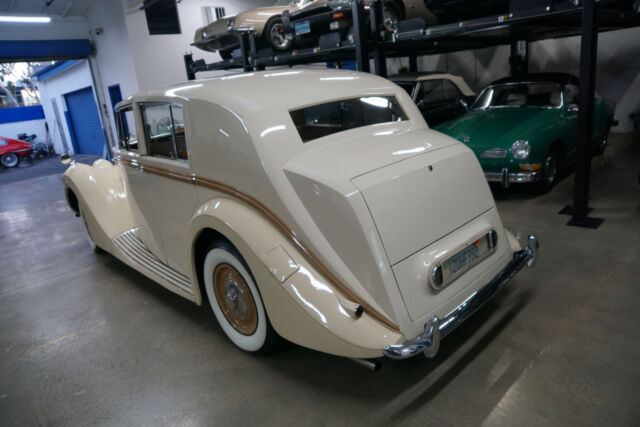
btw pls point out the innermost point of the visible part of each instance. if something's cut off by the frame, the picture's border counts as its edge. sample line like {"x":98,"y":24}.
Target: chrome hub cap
{"x":277,"y":36}
{"x":10,"y":160}
{"x":235,"y":299}
{"x":389,"y":19}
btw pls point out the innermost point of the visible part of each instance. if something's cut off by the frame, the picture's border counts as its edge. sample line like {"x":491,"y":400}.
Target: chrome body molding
{"x":429,"y":341}
{"x":131,"y":245}
{"x":506,"y":178}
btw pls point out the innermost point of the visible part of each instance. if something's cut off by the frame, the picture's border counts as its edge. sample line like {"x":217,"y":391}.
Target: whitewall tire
{"x":235,"y":299}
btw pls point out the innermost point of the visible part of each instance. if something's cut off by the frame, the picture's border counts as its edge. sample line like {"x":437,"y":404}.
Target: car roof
{"x":560,"y":78}
{"x":434,"y":75}
{"x":414,"y":77}
{"x":283,"y":89}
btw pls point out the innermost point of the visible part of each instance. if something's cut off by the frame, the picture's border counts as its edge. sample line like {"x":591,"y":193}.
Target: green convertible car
{"x":524,"y":129}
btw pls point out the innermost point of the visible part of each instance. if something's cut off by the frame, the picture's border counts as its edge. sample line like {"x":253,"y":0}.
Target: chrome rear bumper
{"x":429,"y":341}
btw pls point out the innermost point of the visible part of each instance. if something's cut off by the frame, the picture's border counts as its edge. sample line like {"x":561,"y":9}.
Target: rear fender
{"x":302,"y":305}
{"x":101,"y":194}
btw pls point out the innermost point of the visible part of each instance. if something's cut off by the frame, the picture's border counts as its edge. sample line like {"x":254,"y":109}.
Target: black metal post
{"x":588,"y":55}
{"x":375,"y":17}
{"x":519,"y":58}
{"x":254,"y":51}
{"x":188,"y":63}
{"x":413,"y":64}
{"x":244,"y":50}
{"x":361,"y":38}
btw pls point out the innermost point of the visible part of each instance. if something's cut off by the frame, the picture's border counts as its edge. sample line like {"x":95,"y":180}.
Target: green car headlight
{"x":521,"y":149}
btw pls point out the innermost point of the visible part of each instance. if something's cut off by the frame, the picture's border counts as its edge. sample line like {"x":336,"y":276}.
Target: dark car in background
{"x":307,"y":25}
{"x":440,"y":96}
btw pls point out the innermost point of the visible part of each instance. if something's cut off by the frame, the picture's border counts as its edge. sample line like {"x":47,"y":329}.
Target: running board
{"x":132,"y":246}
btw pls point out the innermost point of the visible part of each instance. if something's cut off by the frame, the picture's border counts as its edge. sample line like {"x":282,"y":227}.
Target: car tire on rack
{"x":235,"y":300}
{"x":391,"y":14}
{"x":274,"y":35}
{"x":226,"y":54}
{"x":10,"y":160}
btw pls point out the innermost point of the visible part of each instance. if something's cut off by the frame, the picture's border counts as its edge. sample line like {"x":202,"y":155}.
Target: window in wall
{"x":211,"y":14}
{"x":164,"y":130}
{"x":162,"y":16}
{"x":127,"y":139}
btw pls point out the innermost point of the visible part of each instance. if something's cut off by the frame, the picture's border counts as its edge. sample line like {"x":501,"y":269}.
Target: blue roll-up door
{"x":85,"y":121}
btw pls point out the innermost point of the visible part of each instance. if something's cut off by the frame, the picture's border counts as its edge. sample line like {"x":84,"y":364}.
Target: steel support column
{"x":188,"y":62}
{"x":588,"y":55}
{"x":361,"y":38}
{"x":245,"y":47}
{"x":413,"y":64}
{"x":519,"y":59}
{"x":379,"y":59}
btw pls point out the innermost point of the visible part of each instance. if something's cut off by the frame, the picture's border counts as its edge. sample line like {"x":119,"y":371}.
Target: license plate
{"x":334,"y":25}
{"x":465,"y":258}
{"x":302,"y":27}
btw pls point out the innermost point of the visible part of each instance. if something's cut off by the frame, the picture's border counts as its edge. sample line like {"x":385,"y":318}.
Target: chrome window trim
{"x":558,"y":85}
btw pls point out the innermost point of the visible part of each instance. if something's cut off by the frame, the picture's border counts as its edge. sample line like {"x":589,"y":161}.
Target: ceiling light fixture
{"x":26,"y":19}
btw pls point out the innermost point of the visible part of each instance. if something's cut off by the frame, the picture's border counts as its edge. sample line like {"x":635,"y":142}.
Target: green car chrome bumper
{"x":506,"y":178}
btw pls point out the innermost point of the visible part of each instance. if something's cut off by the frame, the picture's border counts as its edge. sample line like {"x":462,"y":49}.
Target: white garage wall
{"x":76,"y":77}
{"x":114,"y":57}
{"x":159,"y":58}
{"x":67,"y":28}
{"x":617,"y":73}
{"x":11,"y":130}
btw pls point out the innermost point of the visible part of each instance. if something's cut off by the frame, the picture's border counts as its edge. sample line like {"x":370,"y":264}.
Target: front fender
{"x":302,"y":305}
{"x":101,"y":193}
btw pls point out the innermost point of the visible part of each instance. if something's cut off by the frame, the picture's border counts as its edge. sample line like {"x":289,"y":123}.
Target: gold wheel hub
{"x":235,"y":299}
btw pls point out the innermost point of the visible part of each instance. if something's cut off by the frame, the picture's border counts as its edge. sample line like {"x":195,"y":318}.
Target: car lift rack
{"x":526,"y":21}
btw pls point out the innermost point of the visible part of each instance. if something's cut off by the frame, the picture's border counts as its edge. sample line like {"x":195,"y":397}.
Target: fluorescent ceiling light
{"x":26,"y":19}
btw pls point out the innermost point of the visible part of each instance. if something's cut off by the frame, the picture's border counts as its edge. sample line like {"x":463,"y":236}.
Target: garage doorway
{"x":85,"y":122}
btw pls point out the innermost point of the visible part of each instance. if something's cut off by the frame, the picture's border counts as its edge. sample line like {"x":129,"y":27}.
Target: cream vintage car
{"x":312,"y":205}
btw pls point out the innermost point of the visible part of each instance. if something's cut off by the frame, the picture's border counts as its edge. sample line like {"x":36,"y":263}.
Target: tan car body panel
{"x":239,"y":123}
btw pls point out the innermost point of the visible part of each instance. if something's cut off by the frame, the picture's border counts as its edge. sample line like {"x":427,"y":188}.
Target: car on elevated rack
{"x":440,"y":96}
{"x":12,"y":150}
{"x":332,"y":217}
{"x":266,"y":22}
{"x":524,"y":129}
{"x":305,"y":26}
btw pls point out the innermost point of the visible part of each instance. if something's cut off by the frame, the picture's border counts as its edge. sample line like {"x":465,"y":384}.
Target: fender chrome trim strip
{"x":273,"y":218}
{"x":428,"y":342}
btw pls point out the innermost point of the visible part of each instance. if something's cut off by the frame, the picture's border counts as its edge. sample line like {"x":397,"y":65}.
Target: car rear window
{"x":337,"y":116}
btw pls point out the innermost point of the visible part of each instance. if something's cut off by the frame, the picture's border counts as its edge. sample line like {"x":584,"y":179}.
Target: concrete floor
{"x":85,"y":340}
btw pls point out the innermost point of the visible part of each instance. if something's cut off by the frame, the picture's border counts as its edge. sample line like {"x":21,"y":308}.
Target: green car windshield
{"x":542,"y":95}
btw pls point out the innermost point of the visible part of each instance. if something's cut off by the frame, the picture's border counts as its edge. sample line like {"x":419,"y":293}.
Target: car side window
{"x":164,"y":130}
{"x":432,"y":91}
{"x":451,"y":90}
{"x":572,"y":95}
{"x":127,"y":139}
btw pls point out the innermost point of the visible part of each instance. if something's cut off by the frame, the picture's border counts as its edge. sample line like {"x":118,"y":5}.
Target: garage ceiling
{"x":39,"y":7}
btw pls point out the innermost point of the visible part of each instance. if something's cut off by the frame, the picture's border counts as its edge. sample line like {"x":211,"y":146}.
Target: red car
{"x":11,"y":150}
